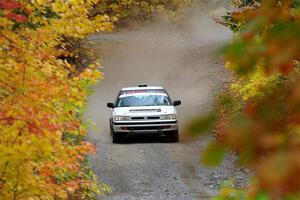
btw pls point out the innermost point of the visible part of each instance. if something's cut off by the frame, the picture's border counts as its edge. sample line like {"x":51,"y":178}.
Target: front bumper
{"x":145,"y":126}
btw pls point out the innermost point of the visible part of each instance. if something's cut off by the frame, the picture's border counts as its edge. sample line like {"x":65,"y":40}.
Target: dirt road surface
{"x":182,"y":62}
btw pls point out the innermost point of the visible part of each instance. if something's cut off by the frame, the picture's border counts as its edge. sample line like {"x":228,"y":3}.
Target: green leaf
{"x":213,"y":154}
{"x":202,"y":125}
{"x":262,"y":196}
{"x":4,"y":92}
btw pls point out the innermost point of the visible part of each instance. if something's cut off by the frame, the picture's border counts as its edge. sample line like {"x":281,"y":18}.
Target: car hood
{"x":144,"y":110}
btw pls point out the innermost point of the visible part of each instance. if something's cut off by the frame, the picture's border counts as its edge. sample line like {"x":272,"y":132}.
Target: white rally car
{"x":143,"y":110}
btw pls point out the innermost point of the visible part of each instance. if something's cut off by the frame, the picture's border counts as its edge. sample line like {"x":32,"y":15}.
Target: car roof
{"x":143,"y":88}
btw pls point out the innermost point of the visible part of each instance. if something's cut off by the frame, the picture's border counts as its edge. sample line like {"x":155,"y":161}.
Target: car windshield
{"x":143,"y":100}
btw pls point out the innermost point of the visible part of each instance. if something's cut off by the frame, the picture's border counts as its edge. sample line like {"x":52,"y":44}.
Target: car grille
{"x":153,"y":117}
{"x":137,"y":118}
{"x":146,"y":118}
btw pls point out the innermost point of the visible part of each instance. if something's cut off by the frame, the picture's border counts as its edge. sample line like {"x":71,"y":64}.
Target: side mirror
{"x":110,"y":105}
{"x":176,"y":103}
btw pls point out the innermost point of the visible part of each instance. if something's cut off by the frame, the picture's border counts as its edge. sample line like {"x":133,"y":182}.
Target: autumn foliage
{"x":42,"y":148}
{"x":45,"y":79}
{"x":258,"y":115}
{"x":137,"y":12}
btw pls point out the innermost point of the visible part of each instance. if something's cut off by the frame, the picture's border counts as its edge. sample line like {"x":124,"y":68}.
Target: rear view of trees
{"x":141,"y":11}
{"x":258,"y":115}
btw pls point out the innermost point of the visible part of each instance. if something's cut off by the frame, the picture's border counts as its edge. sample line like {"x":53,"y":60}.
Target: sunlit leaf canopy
{"x":45,"y":78}
{"x":40,"y":104}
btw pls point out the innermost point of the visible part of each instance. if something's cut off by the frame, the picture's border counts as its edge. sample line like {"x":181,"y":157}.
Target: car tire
{"x":110,"y":128}
{"x":116,"y":138}
{"x":174,"y":137}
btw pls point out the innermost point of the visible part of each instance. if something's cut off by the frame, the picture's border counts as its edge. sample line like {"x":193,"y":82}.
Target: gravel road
{"x":183,"y":62}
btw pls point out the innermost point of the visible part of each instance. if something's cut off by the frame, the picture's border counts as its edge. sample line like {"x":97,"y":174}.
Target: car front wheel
{"x":116,"y":138}
{"x":174,"y":136}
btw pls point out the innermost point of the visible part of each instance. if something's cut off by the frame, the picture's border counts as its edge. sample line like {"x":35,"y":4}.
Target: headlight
{"x":121,"y":118}
{"x":168,"y":117}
